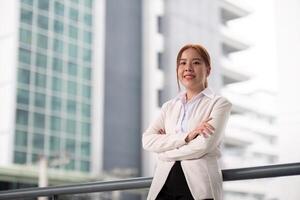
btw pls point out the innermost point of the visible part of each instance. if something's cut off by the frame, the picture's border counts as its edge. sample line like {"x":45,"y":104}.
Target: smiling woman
{"x":188,"y":133}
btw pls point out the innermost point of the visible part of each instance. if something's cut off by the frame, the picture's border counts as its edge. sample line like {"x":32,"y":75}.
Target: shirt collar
{"x":207,"y":92}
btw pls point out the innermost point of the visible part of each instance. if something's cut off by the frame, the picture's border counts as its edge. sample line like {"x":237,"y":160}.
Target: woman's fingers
{"x":161,"y":131}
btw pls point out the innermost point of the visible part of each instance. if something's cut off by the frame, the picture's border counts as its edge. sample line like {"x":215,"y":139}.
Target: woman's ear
{"x":208,"y":70}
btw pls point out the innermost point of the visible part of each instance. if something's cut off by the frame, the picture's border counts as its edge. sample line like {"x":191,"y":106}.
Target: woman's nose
{"x":188,"y":68}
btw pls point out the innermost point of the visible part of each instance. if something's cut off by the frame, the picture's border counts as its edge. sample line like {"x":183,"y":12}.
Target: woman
{"x":187,"y":134}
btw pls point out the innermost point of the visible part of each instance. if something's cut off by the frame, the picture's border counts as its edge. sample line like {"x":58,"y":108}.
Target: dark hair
{"x":202,"y":52}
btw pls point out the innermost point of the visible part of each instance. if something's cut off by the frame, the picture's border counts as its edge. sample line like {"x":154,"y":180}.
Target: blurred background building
{"x":81,"y":79}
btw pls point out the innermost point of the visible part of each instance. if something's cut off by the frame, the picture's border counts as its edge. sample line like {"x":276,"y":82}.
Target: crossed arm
{"x":176,"y":147}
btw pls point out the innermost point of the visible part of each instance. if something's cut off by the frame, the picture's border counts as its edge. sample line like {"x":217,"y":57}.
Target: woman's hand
{"x":204,"y":129}
{"x":161,"y":131}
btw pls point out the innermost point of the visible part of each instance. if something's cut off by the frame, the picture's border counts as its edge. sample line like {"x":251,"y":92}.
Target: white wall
{"x":8,"y":60}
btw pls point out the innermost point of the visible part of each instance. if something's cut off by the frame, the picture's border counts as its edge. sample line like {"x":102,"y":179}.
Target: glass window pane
{"x":40,"y":100}
{"x":85,"y":130}
{"x":88,"y":19}
{"x":40,"y":80}
{"x":87,"y":55}
{"x":72,"y":50}
{"x":87,"y":37}
{"x":71,"y":126}
{"x":58,"y":45}
{"x":21,"y":138}
{"x":55,"y":123}
{"x":86,"y":91}
{"x":73,"y":32}
{"x":71,"y":106}
{"x":26,"y":16}
{"x":58,"y":27}
{"x":59,"y":8}
{"x":70,"y":146}
{"x":85,"y":149}
{"x":41,"y":60}
{"x":85,"y":166}
{"x":23,"y":96}
{"x":54,"y":144}
{"x":86,"y":110}
{"x":72,"y":87}
{"x":42,"y":22}
{"x":38,"y":141}
{"x":73,"y":14}
{"x":57,"y":64}
{"x":72,"y":69}
{"x":22,"y":117}
{"x":56,"y":84}
{"x":39,"y":120}
{"x":55,"y":103}
{"x":70,"y":165}
{"x":25,"y":36}
{"x":42,"y":41}
{"x":24,"y":55}
{"x":43,"y":4}
{"x":88,"y":3}
{"x":19,"y":157}
{"x":23,"y":76}
{"x":29,"y":2}
{"x":86,"y":73}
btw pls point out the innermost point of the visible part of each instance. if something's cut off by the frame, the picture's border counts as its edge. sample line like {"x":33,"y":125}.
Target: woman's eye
{"x":197,"y":63}
{"x":182,"y":63}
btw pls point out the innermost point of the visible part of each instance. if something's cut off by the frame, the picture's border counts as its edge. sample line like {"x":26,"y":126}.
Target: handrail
{"x":269,"y":171}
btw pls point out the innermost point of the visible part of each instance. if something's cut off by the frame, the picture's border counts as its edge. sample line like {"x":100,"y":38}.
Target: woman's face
{"x":192,"y":70}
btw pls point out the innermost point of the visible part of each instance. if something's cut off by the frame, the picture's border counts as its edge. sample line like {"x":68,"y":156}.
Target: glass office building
{"x":54,"y":82}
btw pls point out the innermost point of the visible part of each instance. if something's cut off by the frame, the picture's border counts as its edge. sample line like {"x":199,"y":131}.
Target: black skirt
{"x":175,"y":187}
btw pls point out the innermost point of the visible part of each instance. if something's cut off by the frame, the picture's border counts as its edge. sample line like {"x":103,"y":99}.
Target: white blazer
{"x":199,"y":158}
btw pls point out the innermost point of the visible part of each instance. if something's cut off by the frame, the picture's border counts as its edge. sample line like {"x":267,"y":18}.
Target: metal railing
{"x":144,"y":182}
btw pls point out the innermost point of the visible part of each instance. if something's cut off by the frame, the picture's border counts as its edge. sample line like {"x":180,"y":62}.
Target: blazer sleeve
{"x":155,"y":142}
{"x":200,"y":145}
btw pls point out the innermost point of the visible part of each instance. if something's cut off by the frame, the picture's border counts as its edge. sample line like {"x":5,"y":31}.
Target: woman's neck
{"x":191,"y":93}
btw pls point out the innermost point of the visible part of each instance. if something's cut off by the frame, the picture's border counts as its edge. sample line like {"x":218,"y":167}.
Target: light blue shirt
{"x":187,"y":108}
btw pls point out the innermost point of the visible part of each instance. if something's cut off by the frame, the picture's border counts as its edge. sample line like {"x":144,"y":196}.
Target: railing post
{"x":54,"y":197}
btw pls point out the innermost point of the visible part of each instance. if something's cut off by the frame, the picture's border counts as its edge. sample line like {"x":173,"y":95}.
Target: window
{"x":88,"y":19}
{"x":85,"y":130}
{"x":87,"y":55}
{"x":73,"y":32}
{"x":56,"y":84}
{"x":58,"y":46}
{"x":59,"y":8}
{"x":72,"y":87}
{"x":25,"y":36}
{"x":86,"y":91}
{"x":159,"y":24}
{"x":55,"y":103}
{"x":85,"y":149}
{"x":39,"y":120}
{"x":87,"y":37}
{"x":72,"y":50}
{"x":22,"y":117}
{"x":86,"y":73}
{"x":19,"y":157}
{"x":86,"y":110}
{"x":21,"y":138}
{"x":71,"y":126}
{"x":160,"y":98}
{"x":24,"y":55}
{"x":41,"y":60}
{"x":88,"y":3}
{"x":57,"y":65}
{"x":42,"y":22}
{"x":71,"y":106}
{"x":72,"y":69}
{"x":85,"y":166}
{"x":42,"y":41}
{"x":40,"y":100}
{"x":23,"y":76}
{"x":23,"y":97}
{"x":159,"y":60}
{"x":38,"y":141}
{"x":55,"y":123}
{"x":40,"y":80}
{"x":26,"y":16}
{"x":58,"y":27}
{"x":70,"y":165}
{"x":43,"y":4}
{"x":73,"y":14}
{"x":29,"y":2}
{"x":70,"y":146}
{"x":54,"y":144}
